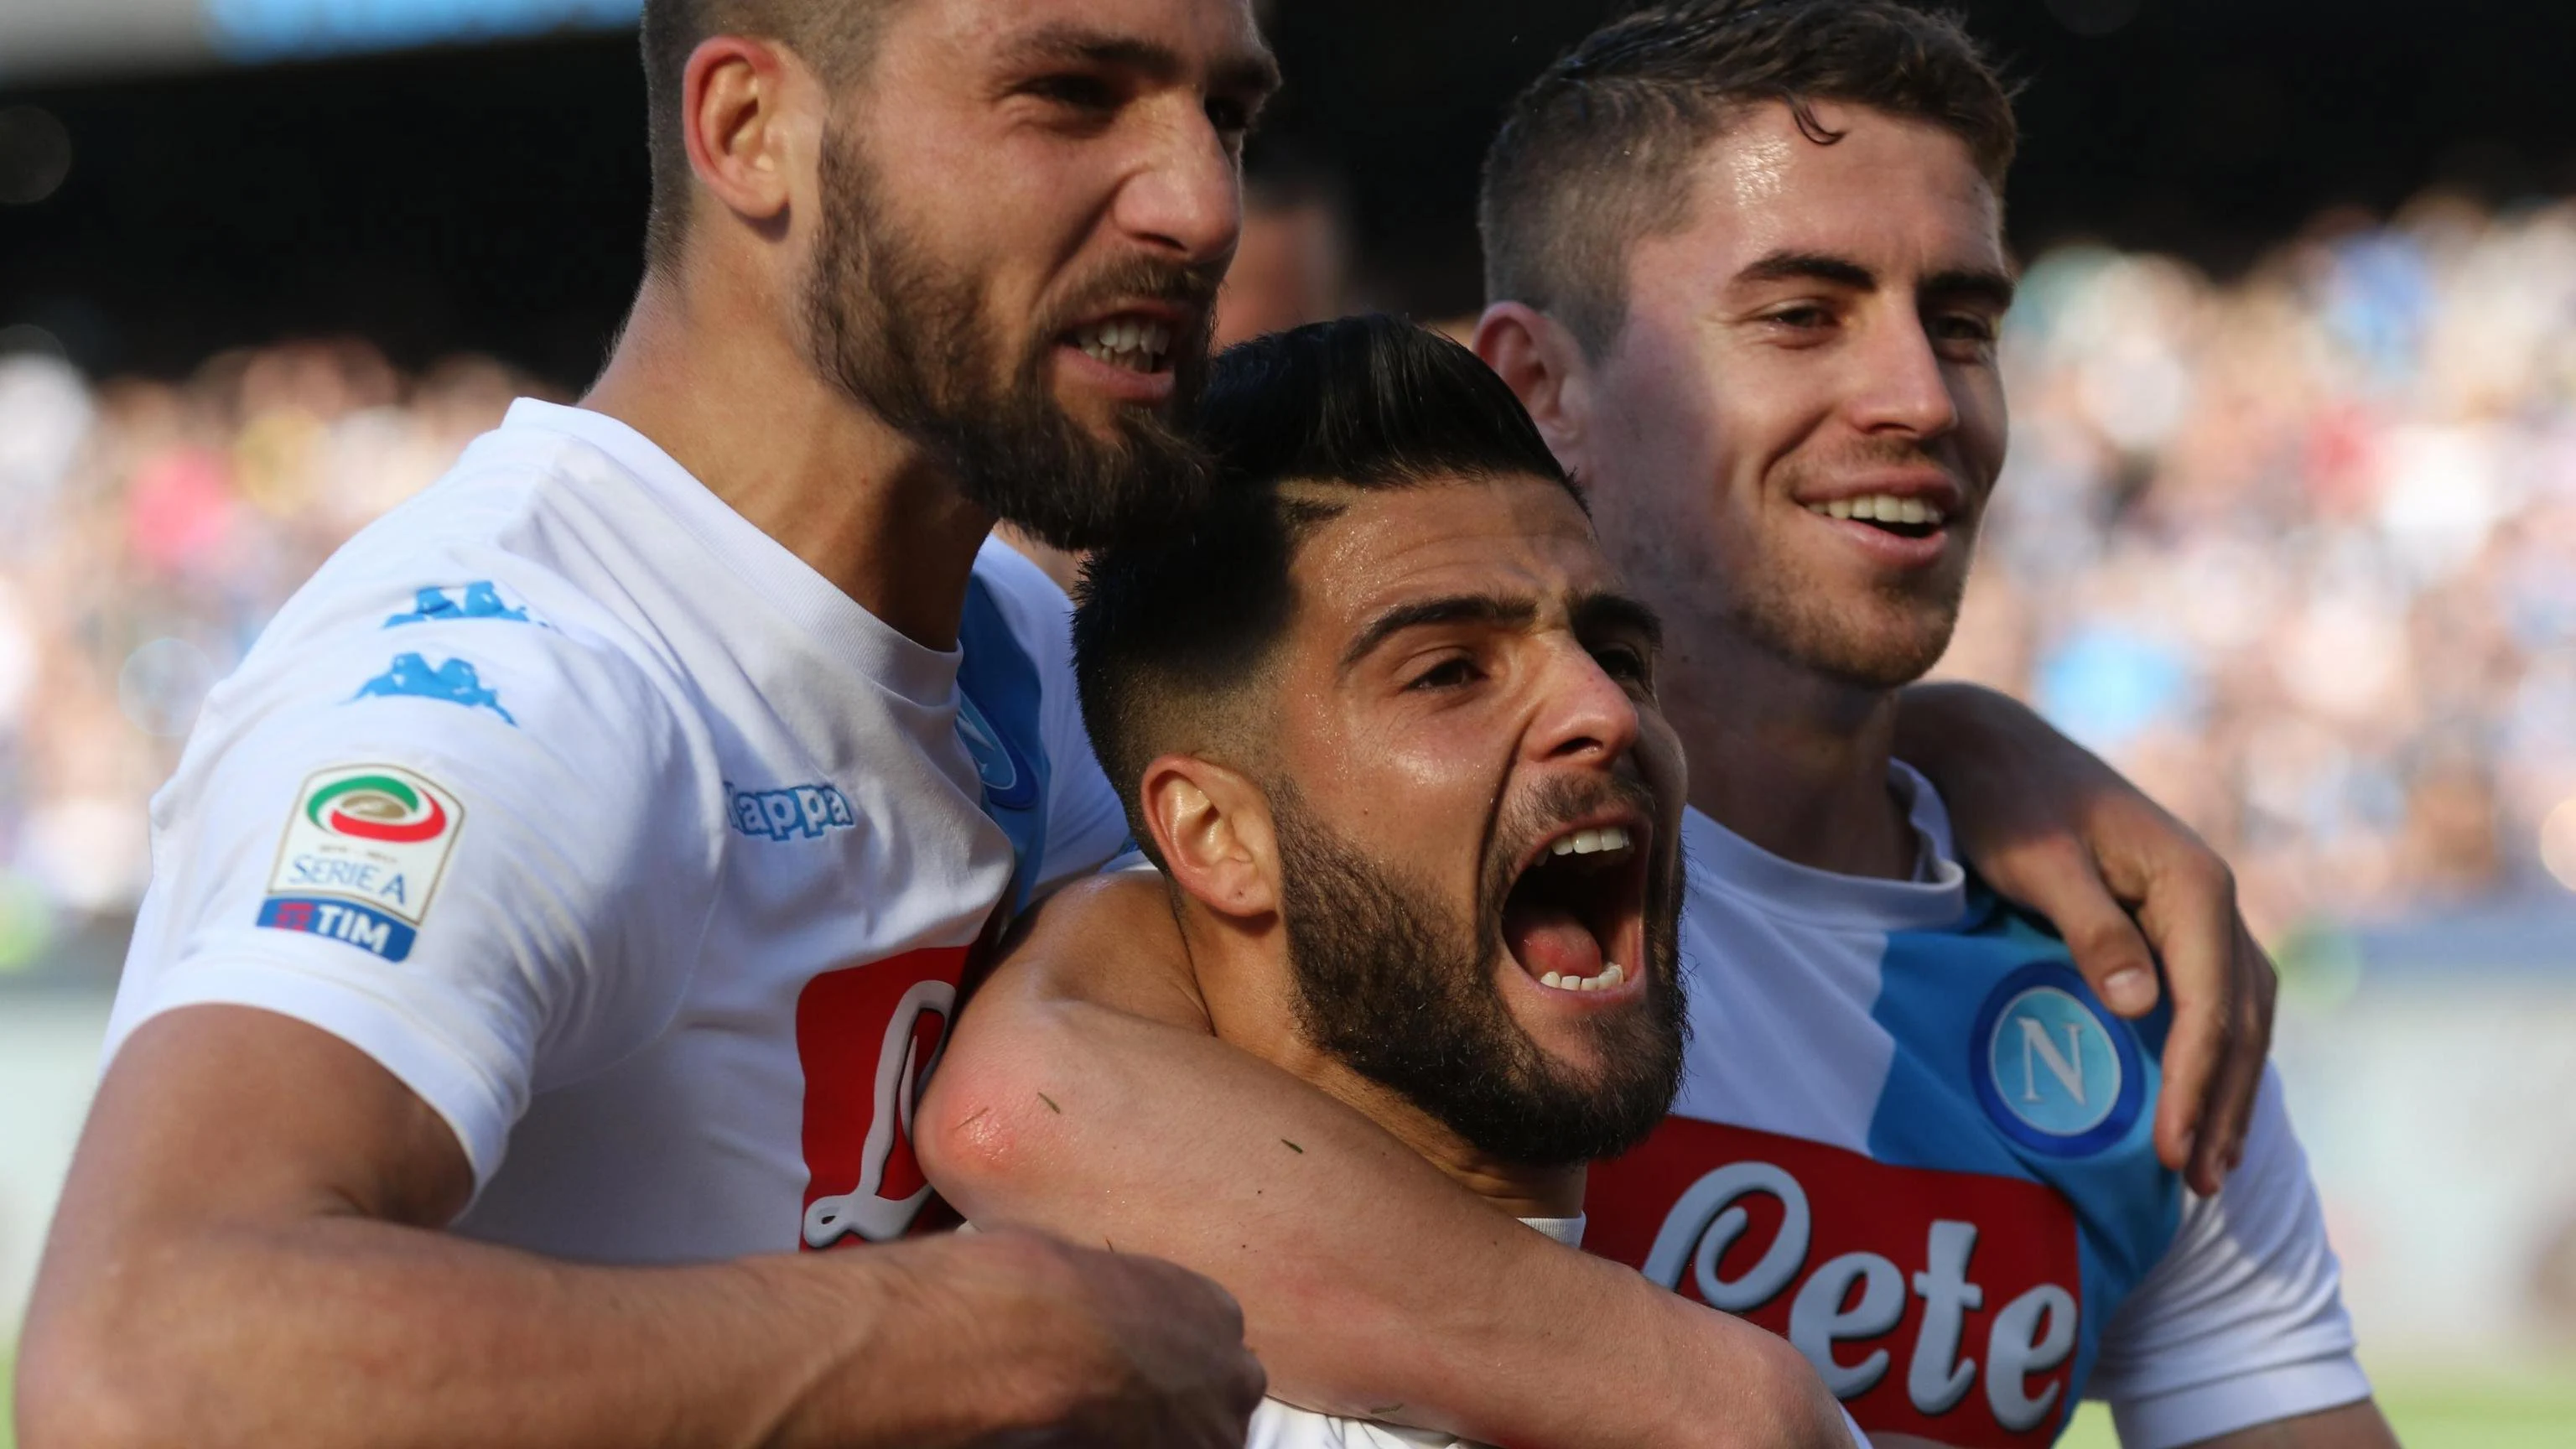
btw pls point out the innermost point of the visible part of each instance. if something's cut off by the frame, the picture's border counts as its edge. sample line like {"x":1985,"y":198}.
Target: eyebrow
{"x":1978,"y":284}
{"x":1592,"y":613}
{"x":1252,"y":70}
{"x":1611,"y":613}
{"x":1488,"y":609}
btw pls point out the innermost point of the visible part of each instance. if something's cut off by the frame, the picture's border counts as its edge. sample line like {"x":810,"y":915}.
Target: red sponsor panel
{"x":867,"y":1037}
{"x":1939,"y":1304}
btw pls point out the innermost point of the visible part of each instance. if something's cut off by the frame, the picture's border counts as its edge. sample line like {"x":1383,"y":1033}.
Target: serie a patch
{"x":362,"y":857}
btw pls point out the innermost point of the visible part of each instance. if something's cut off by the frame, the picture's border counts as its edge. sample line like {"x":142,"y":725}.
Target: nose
{"x":1584,"y":715}
{"x":1903,"y":388}
{"x":1186,"y":198}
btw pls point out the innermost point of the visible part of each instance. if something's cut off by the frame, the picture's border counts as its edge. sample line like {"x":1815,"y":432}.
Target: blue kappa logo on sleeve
{"x":480,"y":600}
{"x":2051,"y":1068}
{"x":455,"y":682}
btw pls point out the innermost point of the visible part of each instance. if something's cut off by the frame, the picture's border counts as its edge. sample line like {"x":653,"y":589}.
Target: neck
{"x":704,"y":372}
{"x":1244,"y":977}
{"x":1793,"y":762}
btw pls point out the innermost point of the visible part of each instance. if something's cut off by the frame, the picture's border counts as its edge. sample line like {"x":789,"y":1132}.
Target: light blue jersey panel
{"x":999,"y":717}
{"x":2007,"y":1065}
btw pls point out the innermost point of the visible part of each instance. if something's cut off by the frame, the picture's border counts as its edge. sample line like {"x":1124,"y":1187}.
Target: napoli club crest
{"x":2053,"y":1069}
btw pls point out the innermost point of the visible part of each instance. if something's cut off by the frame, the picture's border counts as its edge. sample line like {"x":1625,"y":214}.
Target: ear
{"x":745,"y":137}
{"x":1211,"y":825}
{"x":1547,"y":370}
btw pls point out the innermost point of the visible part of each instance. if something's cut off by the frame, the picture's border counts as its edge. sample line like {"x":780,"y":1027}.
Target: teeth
{"x":1611,"y":975}
{"x":1590,"y":842}
{"x":1882,"y":508}
{"x":1136,"y":345}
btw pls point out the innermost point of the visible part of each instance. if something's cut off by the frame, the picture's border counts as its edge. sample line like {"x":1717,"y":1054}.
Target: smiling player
{"x":1749,"y":273}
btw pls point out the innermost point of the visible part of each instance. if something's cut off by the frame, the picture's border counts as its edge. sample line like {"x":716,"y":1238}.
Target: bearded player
{"x":1387,"y":725}
{"x":546,"y":916}
{"x":1749,"y":273}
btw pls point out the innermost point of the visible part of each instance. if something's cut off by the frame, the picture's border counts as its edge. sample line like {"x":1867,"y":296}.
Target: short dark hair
{"x":830,"y":35}
{"x":1595,"y":155}
{"x":1171,"y":631}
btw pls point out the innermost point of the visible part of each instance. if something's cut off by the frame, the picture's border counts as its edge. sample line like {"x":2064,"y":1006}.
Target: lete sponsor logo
{"x":1939,"y":1304}
{"x":362,"y":857}
{"x":867,"y":1037}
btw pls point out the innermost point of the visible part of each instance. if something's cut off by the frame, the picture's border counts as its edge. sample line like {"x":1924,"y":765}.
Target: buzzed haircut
{"x":1596,"y":155}
{"x":832,"y":36}
{"x":1172,"y":634}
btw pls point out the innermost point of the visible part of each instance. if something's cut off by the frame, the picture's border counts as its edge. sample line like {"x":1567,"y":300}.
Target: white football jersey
{"x":1911,"y":1140}
{"x":647,"y":857}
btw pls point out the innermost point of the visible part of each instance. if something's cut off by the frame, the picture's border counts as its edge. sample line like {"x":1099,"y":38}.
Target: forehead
{"x":1194,"y":31}
{"x":1901,"y":195}
{"x":1512,"y":535}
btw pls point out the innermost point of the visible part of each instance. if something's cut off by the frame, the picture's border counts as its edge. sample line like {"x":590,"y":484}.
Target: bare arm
{"x":2127,"y":885}
{"x":245,"y":1255}
{"x":1084,"y":1094}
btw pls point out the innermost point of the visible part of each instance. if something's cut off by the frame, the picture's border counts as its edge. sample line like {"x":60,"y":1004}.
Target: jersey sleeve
{"x":2242,"y":1321}
{"x":476,"y":851}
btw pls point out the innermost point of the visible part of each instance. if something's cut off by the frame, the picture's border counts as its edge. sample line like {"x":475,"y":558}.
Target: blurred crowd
{"x":147,"y":531}
{"x":2298,"y":550}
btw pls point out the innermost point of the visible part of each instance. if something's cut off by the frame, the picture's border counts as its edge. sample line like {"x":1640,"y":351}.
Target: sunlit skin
{"x":1033,"y":147}
{"x":1455,"y":647}
{"x":1822,"y":328}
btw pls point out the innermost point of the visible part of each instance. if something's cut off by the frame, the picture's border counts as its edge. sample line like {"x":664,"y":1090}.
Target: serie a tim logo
{"x":362,"y":857}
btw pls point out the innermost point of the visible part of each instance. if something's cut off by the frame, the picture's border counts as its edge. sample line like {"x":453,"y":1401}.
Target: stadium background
{"x":2289,"y":529}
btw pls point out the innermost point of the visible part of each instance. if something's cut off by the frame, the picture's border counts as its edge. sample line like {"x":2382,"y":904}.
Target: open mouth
{"x":1904,"y":517}
{"x":1135,"y":343}
{"x":1575,"y":919}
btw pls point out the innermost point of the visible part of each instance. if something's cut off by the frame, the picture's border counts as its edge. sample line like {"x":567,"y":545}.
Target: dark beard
{"x":1395,"y":985}
{"x":905,"y":336}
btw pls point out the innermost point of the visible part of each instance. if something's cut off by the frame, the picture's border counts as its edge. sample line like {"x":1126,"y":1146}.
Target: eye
{"x":1231,"y":117}
{"x":1450,"y":673}
{"x":1625,"y":663}
{"x":1800,"y":318}
{"x":1965,"y":328}
{"x":1077,"y":91}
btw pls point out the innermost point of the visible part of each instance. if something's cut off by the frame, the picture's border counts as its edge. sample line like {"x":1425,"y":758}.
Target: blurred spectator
{"x":2299,"y":551}
{"x":147,"y":531}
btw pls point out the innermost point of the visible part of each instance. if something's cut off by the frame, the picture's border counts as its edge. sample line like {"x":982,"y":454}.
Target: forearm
{"x":1372,"y":1285}
{"x":352,"y":1332}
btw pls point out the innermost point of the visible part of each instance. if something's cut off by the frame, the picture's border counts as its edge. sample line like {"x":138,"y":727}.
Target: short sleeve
{"x":477,"y":851}
{"x":2242,"y":1322}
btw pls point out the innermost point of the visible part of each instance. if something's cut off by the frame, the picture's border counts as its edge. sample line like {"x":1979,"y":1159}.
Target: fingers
{"x":2219,"y":981}
{"x":2227,"y":1116}
{"x":2059,"y":880}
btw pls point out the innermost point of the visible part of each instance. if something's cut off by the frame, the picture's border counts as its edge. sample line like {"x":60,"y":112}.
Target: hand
{"x":2051,"y":826}
{"x":1036,"y":1344}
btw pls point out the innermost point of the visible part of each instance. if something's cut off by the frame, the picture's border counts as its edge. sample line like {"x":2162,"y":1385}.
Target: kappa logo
{"x":455,"y":682}
{"x":800,"y":812}
{"x":2051,"y":1068}
{"x":362,"y":857}
{"x":479,"y":600}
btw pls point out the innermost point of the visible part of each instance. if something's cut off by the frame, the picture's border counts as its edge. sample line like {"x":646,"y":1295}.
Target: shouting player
{"x":1749,"y":273}
{"x":552,"y":919}
{"x":1387,"y":724}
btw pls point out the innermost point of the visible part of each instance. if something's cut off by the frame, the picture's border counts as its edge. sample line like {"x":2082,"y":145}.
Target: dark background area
{"x":491,"y":199}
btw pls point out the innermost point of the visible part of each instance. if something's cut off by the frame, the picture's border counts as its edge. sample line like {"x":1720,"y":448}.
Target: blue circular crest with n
{"x":2053,"y":1068}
